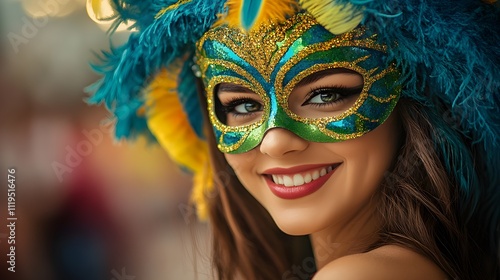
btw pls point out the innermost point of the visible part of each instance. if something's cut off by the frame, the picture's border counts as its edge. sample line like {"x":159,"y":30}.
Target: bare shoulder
{"x":387,"y":262}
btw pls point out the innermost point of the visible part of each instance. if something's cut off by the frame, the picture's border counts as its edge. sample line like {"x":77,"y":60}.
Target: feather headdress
{"x":448,"y":53}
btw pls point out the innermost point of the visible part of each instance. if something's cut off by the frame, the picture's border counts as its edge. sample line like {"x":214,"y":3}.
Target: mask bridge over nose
{"x":278,"y":118}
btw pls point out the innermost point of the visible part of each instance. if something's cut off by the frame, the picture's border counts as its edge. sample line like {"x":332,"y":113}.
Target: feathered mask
{"x":446,"y":52}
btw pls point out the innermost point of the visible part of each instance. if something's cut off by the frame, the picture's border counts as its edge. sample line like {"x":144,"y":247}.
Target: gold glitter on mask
{"x":273,"y":58}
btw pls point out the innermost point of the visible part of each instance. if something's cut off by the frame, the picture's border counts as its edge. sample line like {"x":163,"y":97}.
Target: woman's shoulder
{"x":386,"y":262}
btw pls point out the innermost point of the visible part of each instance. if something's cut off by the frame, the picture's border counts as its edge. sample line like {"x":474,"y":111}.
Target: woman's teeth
{"x":293,"y":180}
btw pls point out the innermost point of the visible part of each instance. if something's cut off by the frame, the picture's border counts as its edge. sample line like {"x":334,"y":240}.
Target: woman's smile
{"x":298,"y":181}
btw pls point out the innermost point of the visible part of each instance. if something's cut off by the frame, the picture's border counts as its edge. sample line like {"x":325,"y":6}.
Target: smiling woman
{"x":319,"y":136}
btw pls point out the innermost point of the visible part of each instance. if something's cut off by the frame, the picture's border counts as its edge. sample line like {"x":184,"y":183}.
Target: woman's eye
{"x":241,"y":111}
{"x":248,"y":107}
{"x":325,"y":98}
{"x":242,"y":107}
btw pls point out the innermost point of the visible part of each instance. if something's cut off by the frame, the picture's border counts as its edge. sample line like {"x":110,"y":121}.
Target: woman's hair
{"x":420,"y":209}
{"x":421,"y":203}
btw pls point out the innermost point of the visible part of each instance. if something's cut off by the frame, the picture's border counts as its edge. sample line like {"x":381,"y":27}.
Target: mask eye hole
{"x":327,"y":93}
{"x":236,"y":105}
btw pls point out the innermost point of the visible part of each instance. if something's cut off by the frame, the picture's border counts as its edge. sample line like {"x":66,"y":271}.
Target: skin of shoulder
{"x":384,"y":263}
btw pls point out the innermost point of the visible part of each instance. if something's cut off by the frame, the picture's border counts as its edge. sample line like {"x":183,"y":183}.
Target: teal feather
{"x":188,"y":96}
{"x":249,"y":12}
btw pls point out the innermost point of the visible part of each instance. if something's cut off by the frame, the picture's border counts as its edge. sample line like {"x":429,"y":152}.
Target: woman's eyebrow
{"x":321,"y":74}
{"x":227,"y":87}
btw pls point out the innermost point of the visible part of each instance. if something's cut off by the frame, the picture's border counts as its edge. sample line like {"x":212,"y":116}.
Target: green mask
{"x":273,"y":59}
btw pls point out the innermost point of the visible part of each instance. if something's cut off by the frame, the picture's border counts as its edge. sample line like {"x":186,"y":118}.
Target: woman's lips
{"x":296,"y":182}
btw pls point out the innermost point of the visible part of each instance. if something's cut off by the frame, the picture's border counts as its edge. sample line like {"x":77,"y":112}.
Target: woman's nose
{"x":278,"y":141}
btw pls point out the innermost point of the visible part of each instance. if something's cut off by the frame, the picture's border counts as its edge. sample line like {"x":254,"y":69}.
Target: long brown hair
{"x":420,"y":202}
{"x":419,"y":210}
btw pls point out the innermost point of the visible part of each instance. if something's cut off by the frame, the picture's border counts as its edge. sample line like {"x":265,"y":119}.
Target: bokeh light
{"x":60,"y":8}
{"x":102,"y":13}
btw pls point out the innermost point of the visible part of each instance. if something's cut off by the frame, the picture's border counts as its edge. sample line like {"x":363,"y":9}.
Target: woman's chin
{"x":296,"y":225}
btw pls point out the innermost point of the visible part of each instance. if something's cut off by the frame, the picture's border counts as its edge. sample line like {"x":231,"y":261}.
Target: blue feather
{"x":249,"y":12}
{"x":188,"y":95}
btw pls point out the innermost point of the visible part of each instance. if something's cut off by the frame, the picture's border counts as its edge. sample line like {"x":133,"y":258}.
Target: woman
{"x":347,"y":140}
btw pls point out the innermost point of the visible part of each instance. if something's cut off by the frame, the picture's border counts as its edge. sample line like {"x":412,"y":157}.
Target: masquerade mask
{"x":270,"y":62}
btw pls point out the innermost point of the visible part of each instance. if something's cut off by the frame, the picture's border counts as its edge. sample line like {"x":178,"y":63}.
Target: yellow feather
{"x":336,"y":18}
{"x":270,"y":11}
{"x":169,"y":124}
{"x":202,"y":187}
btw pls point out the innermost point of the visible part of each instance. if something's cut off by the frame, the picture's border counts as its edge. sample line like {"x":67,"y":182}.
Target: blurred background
{"x":88,"y":207}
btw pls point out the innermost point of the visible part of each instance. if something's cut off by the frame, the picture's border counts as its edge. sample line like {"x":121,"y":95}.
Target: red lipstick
{"x":294,"y":192}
